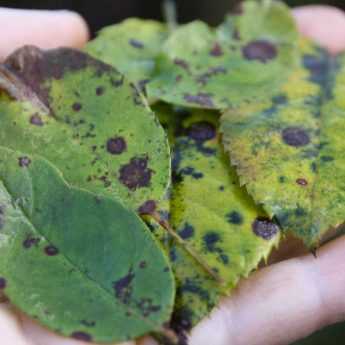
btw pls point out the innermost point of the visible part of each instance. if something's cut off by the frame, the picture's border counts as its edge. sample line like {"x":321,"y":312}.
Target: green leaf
{"x":131,"y":47}
{"x":246,"y":58}
{"x":289,"y":151}
{"x":213,"y":215}
{"x":85,"y":118}
{"x":83,"y":265}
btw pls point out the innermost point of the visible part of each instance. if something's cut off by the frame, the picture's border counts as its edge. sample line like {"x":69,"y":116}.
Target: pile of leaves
{"x":141,"y":178}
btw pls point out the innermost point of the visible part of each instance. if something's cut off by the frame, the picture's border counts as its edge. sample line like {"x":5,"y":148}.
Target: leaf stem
{"x":187,"y":247}
{"x":170,"y":14}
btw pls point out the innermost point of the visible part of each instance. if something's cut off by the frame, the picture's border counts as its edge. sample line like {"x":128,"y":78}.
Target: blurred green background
{"x":104,"y":12}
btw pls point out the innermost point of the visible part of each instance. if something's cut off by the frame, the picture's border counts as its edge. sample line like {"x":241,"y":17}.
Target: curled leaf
{"x":246,"y":58}
{"x":84,"y":117}
{"x":83,"y":265}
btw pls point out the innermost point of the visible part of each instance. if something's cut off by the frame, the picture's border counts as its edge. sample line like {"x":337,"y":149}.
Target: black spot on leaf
{"x":189,"y":171}
{"x":260,"y":50}
{"x":24,"y":161}
{"x":51,"y":250}
{"x":202,"y":99}
{"x":88,"y":323}
{"x":143,"y":264}
{"x":216,"y":50}
{"x":135,"y":174}
{"x":76,"y":106}
{"x":81,"y":336}
{"x":181,"y":322}
{"x":136,"y":44}
{"x":234,"y":217}
{"x":186,"y":232}
{"x":3,"y":283}
{"x":295,"y":136}
{"x":210,"y":241}
{"x":182,"y":63}
{"x":147,"y":307}
{"x":116,"y":146}
{"x":36,"y":120}
{"x":202,"y":131}
{"x":30,"y":242}
{"x":193,"y":287}
{"x":123,"y":287}
{"x":265,"y":228}
{"x":327,"y":158}
{"x":100,"y":91}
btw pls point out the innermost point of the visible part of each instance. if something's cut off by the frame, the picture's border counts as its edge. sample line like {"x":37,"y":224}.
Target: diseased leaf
{"x":212,"y":214}
{"x":131,"y":47}
{"x":84,"y":117}
{"x":81,"y":264}
{"x":246,"y":58}
{"x":288,"y":149}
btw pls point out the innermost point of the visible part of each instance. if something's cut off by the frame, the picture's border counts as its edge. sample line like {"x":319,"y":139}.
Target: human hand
{"x":278,"y":304}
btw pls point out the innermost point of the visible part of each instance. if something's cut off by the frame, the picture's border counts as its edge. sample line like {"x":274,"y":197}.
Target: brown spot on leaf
{"x":116,"y":146}
{"x":260,"y":50}
{"x":135,"y":174}
{"x":51,"y":250}
{"x":265,"y":228}
{"x":33,"y":67}
{"x":203,"y":99}
{"x":295,"y":136}
{"x":148,"y":207}
{"x":3,"y":283}
{"x":81,"y":336}
{"x":302,"y":182}
{"x":216,"y":50}
{"x":202,"y":131}
{"x":181,"y":63}
{"x":36,"y":120}
{"x":123,"y":287}
{"x":24,"y":161}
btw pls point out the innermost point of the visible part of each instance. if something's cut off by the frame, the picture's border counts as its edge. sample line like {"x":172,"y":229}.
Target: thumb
{"x":45,"y":29}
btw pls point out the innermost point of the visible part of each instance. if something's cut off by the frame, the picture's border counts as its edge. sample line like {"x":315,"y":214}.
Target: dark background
{"x":103,"y":12}
{"x":99,"y":13}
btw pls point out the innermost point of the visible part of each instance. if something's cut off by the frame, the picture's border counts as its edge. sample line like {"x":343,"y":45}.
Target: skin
{"x":277,"y":305}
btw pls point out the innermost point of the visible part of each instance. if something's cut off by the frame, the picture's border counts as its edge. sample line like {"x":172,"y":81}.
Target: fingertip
{"x":45,"y":29}
{"x":78,"y":26}
{"x":323,"y":24}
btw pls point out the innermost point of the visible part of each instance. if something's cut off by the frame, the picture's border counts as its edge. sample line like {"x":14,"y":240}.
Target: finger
{"x":10,"y":328}
{"x":281,"y":303}
{"x":323,"y":24}
{"x":42,"y":336}
{"x":45,"y":29}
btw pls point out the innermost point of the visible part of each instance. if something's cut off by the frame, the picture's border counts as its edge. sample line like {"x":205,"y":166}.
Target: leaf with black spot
{"x":212,"y":214}
{"x":84,"y":117}
{"x":131,"y":47}
{"x":73,"y":260}
{"x":246,"y":58}
{"x":288,"y":149}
